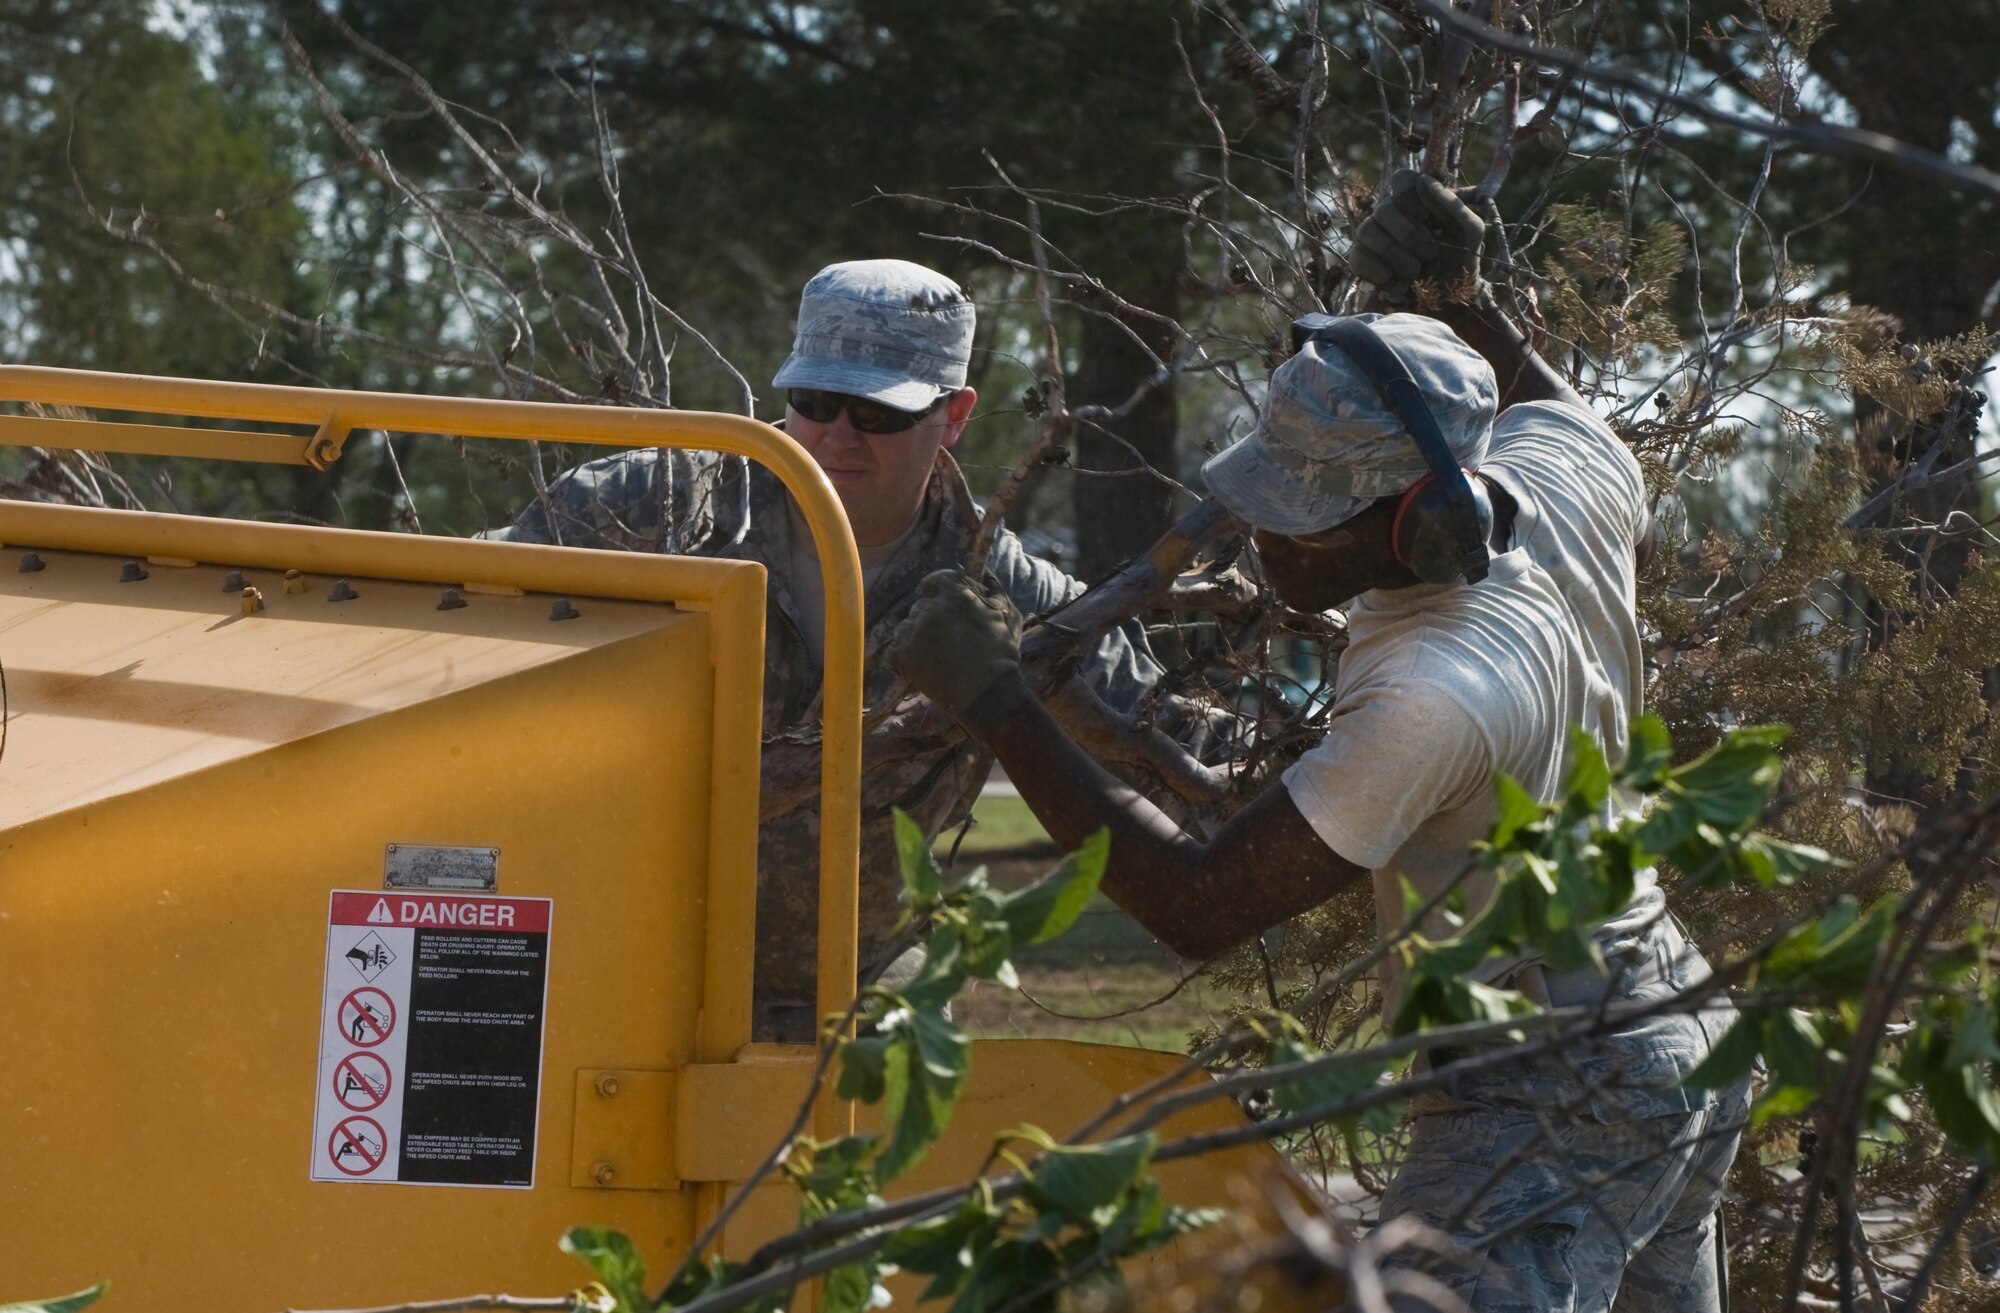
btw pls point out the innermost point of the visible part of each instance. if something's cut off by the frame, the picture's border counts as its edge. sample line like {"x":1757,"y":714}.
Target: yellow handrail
{"x":318,"y":450}
{"x":840,"y":565}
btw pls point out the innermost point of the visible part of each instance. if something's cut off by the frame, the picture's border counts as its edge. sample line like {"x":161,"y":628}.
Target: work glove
{"x":1421,"y":232}
{"x":960,"y":646}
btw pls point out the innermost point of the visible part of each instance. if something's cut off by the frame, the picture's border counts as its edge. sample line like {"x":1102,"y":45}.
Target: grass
{"x":1119,"y":1004}
{"x":999,"y":824}
{"x":1107,"y":981}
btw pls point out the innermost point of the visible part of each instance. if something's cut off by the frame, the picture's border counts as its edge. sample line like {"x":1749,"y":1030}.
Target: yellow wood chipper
{"x":375,"y":907}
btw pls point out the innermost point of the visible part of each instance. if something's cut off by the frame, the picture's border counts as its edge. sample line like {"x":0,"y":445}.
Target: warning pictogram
{"x":357,"y":1146}
{"x":361,"y":1081}
{"x":371,"y":957}
{"x":432,"y":1016}
{"x":367,"y":1016}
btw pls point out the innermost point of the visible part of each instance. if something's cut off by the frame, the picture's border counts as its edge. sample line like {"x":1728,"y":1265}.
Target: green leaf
{"x":608,"y":1252}
{"x":1790,"y":957}
{"x":1579,"y":902}
{"x":1540,"y":874}
{"x":1570,"y":948}
{"x":896,"y":1101}
{"x":1666,"y":827}
{"x":1848,"y":957}
{"x":1003,"y":1272}
{"x":1965,"y":1105}
{"x":985,"y":955}
{"x":700,"y":1279}
{"x":1840,"y":918}
{"x":1447,"y":1000}
{"x":1458,"y":956}
{"x":946,"y":1051}
{"x":849,"y":1289}
{"x":1517,"y":811}
{"x":838,"y":1177}
{"x":924,"y":1117}
{"x":943,"y":1249}
{"x":1619,"y":864}
{"x":924,"y":1074}
{"x":1588,"y":783}
{"x":943,"y":974}
{"x":1490,"y":1004}
{"x":863,"y":1069}
{"x":1080,"y":1179}
{"x":1730,"y":1060}
{"x":1051,"y":905}
{"x":1766,"y":738}
{"x":1972,"y":1041}
{"x":1730,"y":784}
{"x":1651,"y":752}
{"x":1319,"y":1088}
{"x":1783,"y":1101}
{"x":921,"y":876}
{"x":1771,"y":861}
{"x":1792,"y":1047}
{"x":1413,"y":901}
{"x":1837,"y":951}
{"x":1792,"y":860}
{"x":1958,"y":963}
{"x":66,"y":1304}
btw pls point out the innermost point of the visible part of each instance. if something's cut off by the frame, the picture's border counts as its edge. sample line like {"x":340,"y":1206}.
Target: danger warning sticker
{"x":430,"y":1051}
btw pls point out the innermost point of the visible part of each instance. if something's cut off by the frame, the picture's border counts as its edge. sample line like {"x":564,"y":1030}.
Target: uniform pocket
{"x":1469,"y":1137}
{"x":1636,"y":1074}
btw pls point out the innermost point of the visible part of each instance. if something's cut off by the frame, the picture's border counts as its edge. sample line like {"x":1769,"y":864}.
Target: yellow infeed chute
{"x":333,"y":415}
{"x":192,"y":789}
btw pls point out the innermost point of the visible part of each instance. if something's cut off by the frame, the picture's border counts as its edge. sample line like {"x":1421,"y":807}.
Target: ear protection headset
{"x":1443,"y":521}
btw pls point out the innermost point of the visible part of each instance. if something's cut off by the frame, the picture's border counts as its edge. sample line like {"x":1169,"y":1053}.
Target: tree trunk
{"x":1121,"y":511}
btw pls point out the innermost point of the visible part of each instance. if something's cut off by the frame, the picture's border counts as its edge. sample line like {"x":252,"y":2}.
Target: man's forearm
{"x":960,"y":646}
{"x":1154,"y":863}
{"x":1264,"y":866}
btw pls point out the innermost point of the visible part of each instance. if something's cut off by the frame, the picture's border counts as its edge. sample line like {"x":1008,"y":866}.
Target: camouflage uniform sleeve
{"x":646,"y":500}
{"x":1122,"y":666}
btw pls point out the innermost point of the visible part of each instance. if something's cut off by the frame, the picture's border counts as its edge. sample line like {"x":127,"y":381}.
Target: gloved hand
{"x":960,"y":646}
{"x":1421,"y":232}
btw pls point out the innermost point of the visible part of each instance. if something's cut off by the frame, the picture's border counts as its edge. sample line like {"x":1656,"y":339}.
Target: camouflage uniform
{"x":1599,"y":1172}
{"x":699,"y":504}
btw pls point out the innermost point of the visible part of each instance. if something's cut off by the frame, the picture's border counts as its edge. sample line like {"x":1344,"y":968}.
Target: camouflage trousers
{"x":1585,"y":1181}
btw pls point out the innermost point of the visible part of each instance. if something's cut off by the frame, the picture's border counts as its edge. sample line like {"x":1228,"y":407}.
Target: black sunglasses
{"x":866,"y":416}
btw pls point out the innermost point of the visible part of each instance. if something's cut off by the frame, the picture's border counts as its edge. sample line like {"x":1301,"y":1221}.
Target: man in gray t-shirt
{"x":1466,"y":658}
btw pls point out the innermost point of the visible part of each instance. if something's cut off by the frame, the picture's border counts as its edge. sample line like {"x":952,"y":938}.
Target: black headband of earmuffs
{"x":1391,"y":380}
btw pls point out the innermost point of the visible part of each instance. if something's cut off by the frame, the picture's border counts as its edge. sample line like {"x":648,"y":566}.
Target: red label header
{"x":421,"y":911}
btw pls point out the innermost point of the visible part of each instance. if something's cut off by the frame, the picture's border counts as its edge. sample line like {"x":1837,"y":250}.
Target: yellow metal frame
{"x":333,"y":414}
{"x":319,"y":450}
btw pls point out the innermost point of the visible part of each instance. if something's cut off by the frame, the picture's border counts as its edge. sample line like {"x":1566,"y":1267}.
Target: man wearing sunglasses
{"x":875,"y":391}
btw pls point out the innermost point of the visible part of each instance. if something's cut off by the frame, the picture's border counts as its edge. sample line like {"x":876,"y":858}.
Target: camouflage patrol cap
{"x":1328,"y":444}
{"x":887,"y":330}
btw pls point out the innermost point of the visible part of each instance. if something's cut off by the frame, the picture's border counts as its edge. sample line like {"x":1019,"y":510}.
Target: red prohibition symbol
{"x":357,"y":1146}
{"x":361,"y":1082}
{"x":367,"y":1016}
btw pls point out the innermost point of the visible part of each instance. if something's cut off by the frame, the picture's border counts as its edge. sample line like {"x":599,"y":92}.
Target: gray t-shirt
{"x":808,"y":589}
{"x":1441,"y":686}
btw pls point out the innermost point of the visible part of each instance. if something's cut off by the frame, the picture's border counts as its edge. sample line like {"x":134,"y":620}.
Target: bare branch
{"x":1826,"y":138}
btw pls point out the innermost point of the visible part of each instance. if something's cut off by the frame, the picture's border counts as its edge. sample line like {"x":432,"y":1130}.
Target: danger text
{"x":470,"y":913}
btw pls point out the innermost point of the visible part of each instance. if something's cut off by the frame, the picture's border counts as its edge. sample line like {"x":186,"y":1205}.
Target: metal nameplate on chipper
{"x":434,"y":866}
